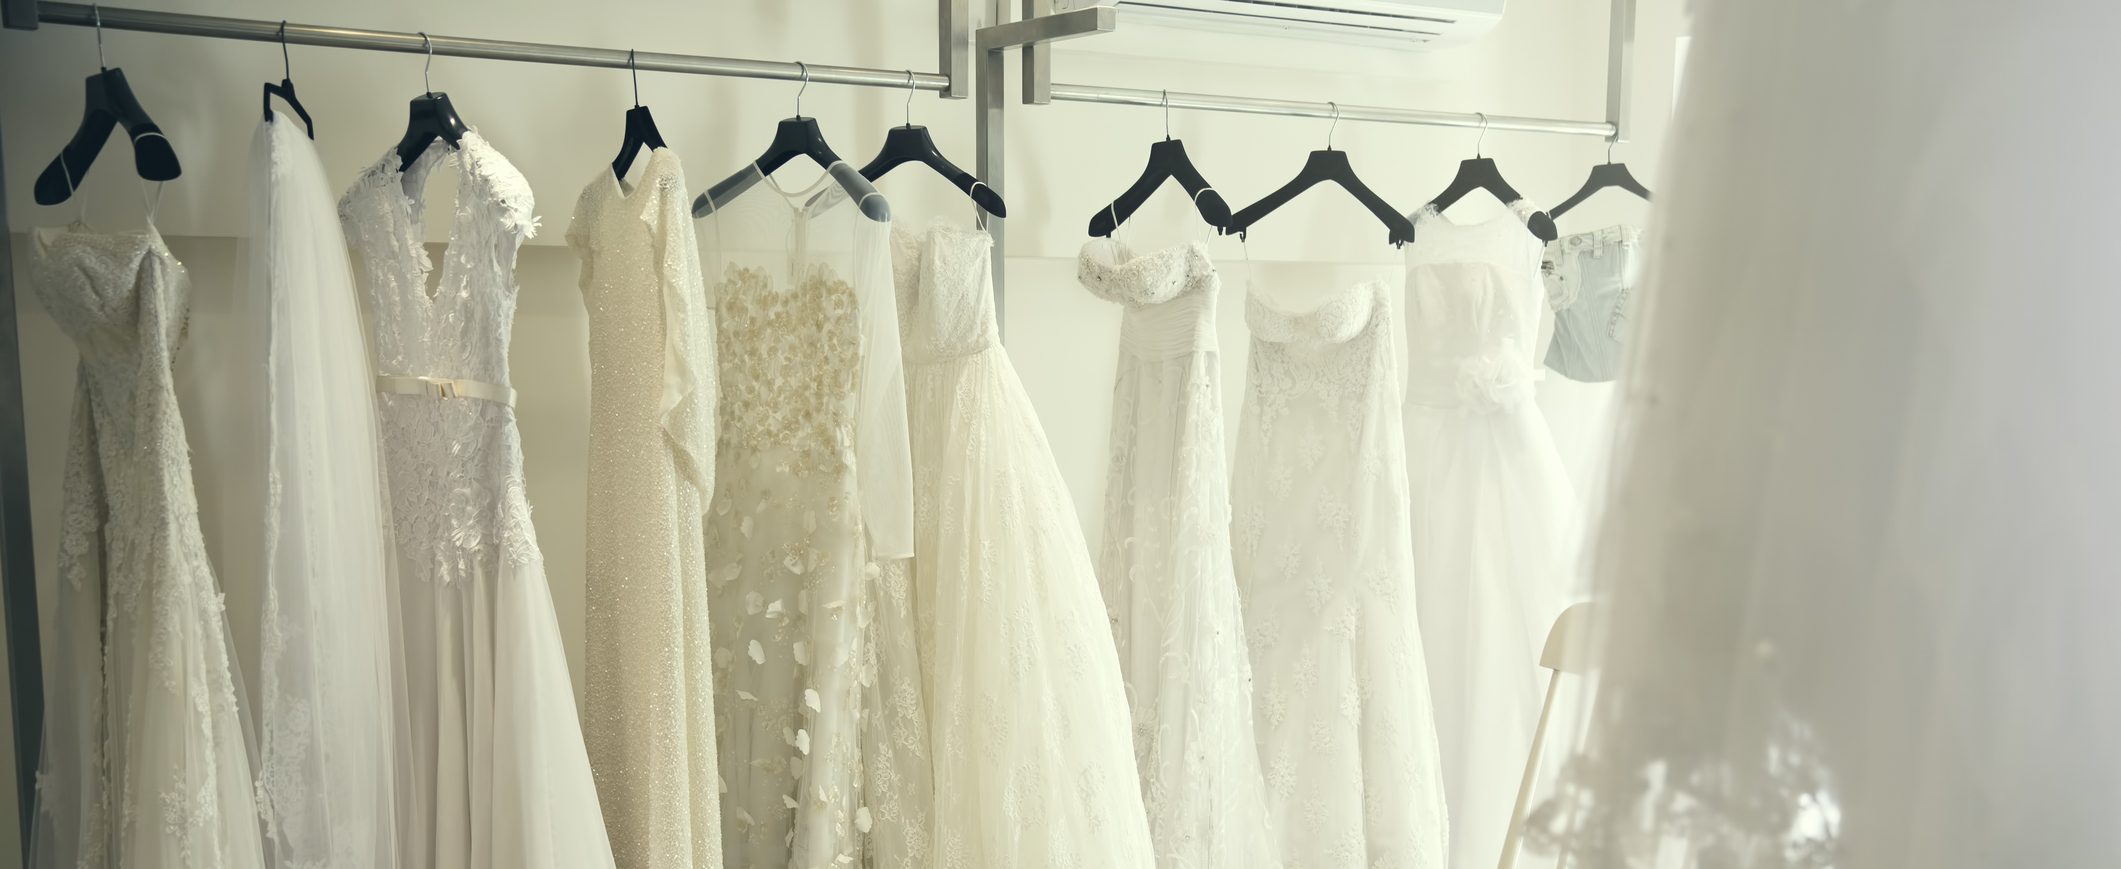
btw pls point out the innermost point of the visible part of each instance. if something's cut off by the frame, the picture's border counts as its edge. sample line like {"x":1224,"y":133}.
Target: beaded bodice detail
{"x":789,"y":361}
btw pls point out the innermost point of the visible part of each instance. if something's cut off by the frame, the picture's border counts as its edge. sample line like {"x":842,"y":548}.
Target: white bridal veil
{"x":1859,"y":561}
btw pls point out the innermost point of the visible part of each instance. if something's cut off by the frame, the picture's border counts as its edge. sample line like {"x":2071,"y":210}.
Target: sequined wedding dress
{"x":649,"y":714}
{"x":1033,"y":760}
{"x":1169,"y":586}
{"x":494,"y":774}
{"x":1325,"y":570}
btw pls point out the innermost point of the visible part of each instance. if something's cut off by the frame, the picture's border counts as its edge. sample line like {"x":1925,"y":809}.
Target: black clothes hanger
{"x":431,"y":117}
{"x":1167,"y":162}
{"x":1480,"y":173}
{"x":1604,"y":175}
{"x":796,"y":137}
{"x":109,"y":103}
{"x":1326,"y":165}
{"x":285,"y":90}
{"x":913,"y":144}
{"x":640,"y":127}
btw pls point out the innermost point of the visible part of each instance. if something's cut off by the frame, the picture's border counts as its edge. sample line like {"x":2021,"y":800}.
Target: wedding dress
{"x":1857,"y":571}
{"x":494,"y":773}
{"x":1034,"y":765}
{"x":145,"y":761}
{"x":1325,"y":571}
{"x":328,"y":705}
{"x":650,"y":709}
{"x":1169,"y":586}
{"x":1493,"y":511}
{"x":811,"y":489}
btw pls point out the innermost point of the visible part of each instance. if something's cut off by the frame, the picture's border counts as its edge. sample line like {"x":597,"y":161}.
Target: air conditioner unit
{"x":1383,"y":23}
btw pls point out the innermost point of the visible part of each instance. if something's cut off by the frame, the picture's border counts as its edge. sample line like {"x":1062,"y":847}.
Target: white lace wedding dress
{"x":328,"y":692}
{"x":1493,"y":513}
{"x":812,"y":488}
{"x":649,"y":715}
{"x":1325,"y":570}
{"x":1034,"y":766}
{"x":144,"y":760}
{"x":1169,"y":586}
{"x":493,"y":775}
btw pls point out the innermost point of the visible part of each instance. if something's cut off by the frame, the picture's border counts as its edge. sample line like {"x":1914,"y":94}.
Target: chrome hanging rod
{"x":1343,"y":111}
{"x":115,"y":18}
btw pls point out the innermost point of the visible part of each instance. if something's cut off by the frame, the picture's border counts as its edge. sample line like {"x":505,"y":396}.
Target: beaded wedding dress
{"x":494,"y":774}
{"x":145,"y":761}
{"x":1493,"y":511}
{"x":1169,"y":586}
{"x":1325,"y":570}
{"x":649,"y":714}
{"x":1034,"y":766}
{"x":812,"y":489}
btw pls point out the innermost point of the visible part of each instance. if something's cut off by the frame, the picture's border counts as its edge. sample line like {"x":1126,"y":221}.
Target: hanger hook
{"x":287,"y":66}
{"x":1167,"y":116}
{"x":633,"y":66}
{"x":1331,"y":127}
{"x":910,"y":90}
{"x":1609,"y":143}
{"x":425,"y":80}
{"x":1483,"y":133}
{"x":96,"y":9}
{"x":806,"y":86}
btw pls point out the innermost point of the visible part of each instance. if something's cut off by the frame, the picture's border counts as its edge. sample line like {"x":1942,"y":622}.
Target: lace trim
{"x":1337,"y":321}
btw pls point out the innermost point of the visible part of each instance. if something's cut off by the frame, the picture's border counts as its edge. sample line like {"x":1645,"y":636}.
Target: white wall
{"x":560,"y":126}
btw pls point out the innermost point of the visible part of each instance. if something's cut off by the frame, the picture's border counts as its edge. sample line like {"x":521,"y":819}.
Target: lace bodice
{"x":455,"y":464}
{"x":1474,"y":298}
{"x":455,"y":323}
{"x":945,"y":292}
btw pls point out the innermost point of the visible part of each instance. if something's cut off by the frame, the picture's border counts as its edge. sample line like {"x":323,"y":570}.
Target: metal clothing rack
{"x":956,"y":45}
{"x":18,"y":582}
{"x":1040,"y":26}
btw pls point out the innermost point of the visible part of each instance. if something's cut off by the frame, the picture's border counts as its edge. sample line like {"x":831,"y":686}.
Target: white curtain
{"x":1859,"y":562}
{"x":327,"y":700}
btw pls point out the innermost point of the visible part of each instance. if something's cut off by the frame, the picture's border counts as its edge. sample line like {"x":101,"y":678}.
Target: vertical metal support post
{"x":1620,"y":70}
{"x":953,"y":46}
{"x":18,"y":559}
{"x":1038,"y":59}
{"x":990,"y":120}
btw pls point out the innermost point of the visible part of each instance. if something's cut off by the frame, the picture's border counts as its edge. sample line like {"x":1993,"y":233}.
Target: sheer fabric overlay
{"x":1169,"y":585}
{"x":1857,"y":563}
{"x":812,"y":491}
{"x":329,"y":700}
